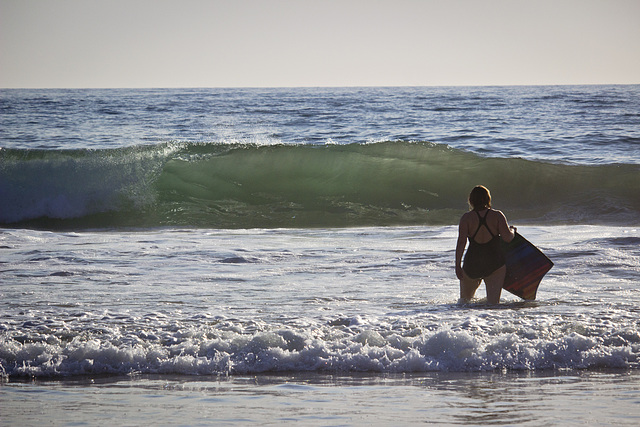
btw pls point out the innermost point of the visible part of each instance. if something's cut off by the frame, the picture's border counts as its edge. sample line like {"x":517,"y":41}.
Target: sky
{"x":292,"y":43}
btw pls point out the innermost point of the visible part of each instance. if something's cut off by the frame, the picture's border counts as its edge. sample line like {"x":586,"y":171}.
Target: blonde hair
{"x":479,"y":198}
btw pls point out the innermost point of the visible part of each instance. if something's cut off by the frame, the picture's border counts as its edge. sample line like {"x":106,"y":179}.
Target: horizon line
{"x":309,"y":86}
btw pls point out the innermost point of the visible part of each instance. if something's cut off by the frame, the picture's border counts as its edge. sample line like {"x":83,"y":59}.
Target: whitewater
{"x":234,"y":256}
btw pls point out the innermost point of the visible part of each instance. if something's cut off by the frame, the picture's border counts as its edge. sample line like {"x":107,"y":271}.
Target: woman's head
{"x":479,"y":198}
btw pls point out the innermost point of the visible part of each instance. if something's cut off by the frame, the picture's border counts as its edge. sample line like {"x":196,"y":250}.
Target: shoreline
{"x":577,"y":397}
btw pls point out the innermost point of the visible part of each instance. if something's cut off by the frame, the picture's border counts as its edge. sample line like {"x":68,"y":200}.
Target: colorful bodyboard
{"x":526,"y":266}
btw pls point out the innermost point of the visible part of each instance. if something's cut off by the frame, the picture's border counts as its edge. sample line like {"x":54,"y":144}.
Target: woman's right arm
{"x":460,"y":245}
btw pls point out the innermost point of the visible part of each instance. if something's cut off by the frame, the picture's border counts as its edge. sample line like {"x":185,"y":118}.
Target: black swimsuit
{"x":482,"y":259}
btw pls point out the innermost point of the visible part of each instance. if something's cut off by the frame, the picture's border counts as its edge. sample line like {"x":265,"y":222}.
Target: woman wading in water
{"x":484,"y":260}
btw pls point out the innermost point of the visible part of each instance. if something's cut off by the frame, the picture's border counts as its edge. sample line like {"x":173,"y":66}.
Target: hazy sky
{"x":222,"y":43}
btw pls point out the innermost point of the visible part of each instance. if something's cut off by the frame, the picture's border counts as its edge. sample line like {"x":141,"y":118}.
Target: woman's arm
{"x":463,"y":232}
{"x":507,"y":233}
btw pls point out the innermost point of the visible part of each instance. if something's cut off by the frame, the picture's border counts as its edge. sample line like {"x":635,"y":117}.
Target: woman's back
{"x":483,"y":234}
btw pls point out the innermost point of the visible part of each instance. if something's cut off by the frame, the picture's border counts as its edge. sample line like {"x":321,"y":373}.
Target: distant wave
{"x":253,"y":186}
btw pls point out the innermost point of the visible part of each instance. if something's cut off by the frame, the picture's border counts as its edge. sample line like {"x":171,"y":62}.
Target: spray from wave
{"x":253,"y":186}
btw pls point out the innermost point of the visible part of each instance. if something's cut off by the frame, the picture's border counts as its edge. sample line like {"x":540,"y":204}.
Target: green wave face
{"x":249,"y":186}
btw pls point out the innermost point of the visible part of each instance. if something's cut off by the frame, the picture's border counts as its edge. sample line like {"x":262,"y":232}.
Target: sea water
{"x":230,"y":256}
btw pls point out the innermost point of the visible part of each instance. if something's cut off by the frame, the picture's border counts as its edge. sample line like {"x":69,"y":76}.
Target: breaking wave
{"x":263,"y":186}
{"x":217,"y":346}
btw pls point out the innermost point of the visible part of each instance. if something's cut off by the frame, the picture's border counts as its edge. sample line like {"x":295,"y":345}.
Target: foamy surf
{"x":516,"y":342}
{"x":376,"y":300}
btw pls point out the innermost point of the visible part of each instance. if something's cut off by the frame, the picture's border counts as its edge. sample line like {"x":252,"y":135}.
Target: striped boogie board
{"x":526,"y":266}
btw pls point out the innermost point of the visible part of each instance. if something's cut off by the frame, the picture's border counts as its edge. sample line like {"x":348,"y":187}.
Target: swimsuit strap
{"x":482,"y":220}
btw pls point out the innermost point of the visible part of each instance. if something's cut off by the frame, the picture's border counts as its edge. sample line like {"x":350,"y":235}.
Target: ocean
{"x":286,"y":255}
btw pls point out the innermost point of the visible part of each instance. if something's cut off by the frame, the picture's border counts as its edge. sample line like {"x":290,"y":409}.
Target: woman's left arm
{"x":507,"y":233}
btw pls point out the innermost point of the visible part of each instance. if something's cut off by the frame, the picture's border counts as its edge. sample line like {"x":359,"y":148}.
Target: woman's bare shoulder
{"x":467,"y":220}
{"x":466,"y":216}
{"x":499,"y":214}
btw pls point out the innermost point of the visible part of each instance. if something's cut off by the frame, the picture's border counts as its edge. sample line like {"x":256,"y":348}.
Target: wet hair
{"x":479,"y":198}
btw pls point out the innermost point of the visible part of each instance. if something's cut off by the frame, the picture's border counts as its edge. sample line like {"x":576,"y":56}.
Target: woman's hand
{"x":459,"y":272}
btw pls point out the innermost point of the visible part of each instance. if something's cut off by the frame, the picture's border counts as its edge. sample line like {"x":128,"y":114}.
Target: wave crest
{"x":248,"y":186}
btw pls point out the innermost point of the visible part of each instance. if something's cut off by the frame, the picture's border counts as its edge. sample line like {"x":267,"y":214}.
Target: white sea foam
{"x":342,"y":300}
{"x":549,"y":344}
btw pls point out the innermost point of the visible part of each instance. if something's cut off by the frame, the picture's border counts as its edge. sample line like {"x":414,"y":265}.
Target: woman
{"x":484,"y":259}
